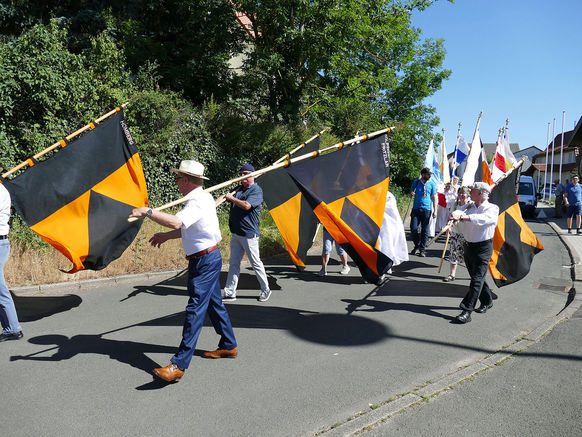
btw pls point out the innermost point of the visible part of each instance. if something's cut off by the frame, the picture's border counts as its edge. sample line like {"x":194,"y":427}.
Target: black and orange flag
{"x":514,"y":243}
{"x":291,"y":212}
{"x":78,"y":200}
{"x":347,"y":192}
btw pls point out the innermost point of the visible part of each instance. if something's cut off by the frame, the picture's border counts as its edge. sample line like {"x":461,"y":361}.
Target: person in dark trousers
{"x":573,"y":202}
{"x":479,"y":220}
{"x":424,"y":192}
{"x":197,"y":225}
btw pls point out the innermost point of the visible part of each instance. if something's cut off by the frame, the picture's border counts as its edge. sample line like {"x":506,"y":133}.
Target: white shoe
{"x":228,"y":297}
{"x":322,"y":272}
{"x":345,"y":270}
{"x":265,"y":295}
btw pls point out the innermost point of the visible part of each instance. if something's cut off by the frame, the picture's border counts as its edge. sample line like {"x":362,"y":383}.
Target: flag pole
{"x":456,"y":149}
{"x":288,"y":155}
{"x":285,"y":163}
{"x":553,"y":153}
{"x":444,"y":251}
{"x":562,"y":145}
{"x":63,"y":142}
{"x":546,"y":168}
{"x":220,"y":200}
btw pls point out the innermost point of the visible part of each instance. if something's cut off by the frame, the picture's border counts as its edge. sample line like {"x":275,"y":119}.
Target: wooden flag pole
{"x":444,"y":251}
{"x":285,"y":163}
{"x":436,"y":237}
{"x":220,"y":200}
{"x":288,"y":155}
{"x":62,"y":142}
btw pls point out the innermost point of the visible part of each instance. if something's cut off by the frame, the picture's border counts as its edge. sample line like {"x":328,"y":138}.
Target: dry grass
{"x":27,"y":266}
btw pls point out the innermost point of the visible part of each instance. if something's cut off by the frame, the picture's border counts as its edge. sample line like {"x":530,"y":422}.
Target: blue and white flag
{"x":461,"y":152}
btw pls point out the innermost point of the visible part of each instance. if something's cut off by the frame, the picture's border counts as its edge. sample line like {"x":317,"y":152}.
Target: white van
{"x":528,"y":199}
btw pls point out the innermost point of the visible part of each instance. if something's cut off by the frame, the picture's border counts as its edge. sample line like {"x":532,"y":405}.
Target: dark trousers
{"x":205,"y":298}
{"x":419,"y":218}
{"x":477,"y":257}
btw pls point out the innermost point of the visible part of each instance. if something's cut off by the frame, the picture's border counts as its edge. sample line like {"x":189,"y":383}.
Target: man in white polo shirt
{"x":479,"y":220}
{"x":197,"y":225}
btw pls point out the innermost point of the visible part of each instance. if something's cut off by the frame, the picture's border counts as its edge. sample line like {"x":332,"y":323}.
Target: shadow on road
{"x":176,"y":285}
{"x":32,"y":308}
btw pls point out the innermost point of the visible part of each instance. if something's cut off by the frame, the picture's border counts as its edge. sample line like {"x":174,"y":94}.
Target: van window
{"x":526,"y":189}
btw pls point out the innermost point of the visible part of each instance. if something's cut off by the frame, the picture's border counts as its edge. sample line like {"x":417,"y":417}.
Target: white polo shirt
{"x":4,"y":210}
{"x":481,"y":227}
{"x":200,"y":229}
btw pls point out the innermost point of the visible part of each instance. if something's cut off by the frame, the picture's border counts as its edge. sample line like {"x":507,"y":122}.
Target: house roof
{"x":572,"y":138}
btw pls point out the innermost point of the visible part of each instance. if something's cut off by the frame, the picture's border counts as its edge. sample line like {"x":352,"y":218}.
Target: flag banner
{"x":291,"y":212}
{"x":477,"y":169}
{"x":430,"y":162}
{"x":444,"y":163}
{"x":78,"y":200}
{"x":504,"y":159}
{"x":514,"y":244}
{"x":461,"y":152}
{"x":347,"y":191}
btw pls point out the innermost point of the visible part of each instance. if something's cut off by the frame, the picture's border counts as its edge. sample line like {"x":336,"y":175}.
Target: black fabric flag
{"x":347,"y":191}
{"x":514,"y":244}
{"x":291,"y":212}
{"x":79,"y":199}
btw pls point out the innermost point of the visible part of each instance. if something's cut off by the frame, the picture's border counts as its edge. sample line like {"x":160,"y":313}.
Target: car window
{"x":525,"y":188}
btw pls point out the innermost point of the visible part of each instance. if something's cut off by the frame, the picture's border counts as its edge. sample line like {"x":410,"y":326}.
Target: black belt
{"x":202,"y":252}
{"x":3,"y":237}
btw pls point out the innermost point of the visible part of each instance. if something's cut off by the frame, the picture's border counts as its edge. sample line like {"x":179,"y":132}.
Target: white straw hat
{"x":192,"y":168}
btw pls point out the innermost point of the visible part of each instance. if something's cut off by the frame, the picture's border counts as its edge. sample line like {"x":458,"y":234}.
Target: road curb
{"x":72,"y":286}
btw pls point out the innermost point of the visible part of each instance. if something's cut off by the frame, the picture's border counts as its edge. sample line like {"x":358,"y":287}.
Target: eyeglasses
{"x":244,"y":173}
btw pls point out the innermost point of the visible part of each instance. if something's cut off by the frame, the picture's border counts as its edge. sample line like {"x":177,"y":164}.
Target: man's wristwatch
{"x":149,"y":212}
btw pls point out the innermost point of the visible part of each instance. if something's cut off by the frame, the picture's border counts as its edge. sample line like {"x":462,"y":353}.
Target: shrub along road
{"x":323,"y":354}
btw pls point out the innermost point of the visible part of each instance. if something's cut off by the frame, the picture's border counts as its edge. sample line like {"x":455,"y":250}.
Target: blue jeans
{"x":8,"y":316}
{"x":419,"y":218}
{"x":205,"y":298}
{"x":327,"y":243}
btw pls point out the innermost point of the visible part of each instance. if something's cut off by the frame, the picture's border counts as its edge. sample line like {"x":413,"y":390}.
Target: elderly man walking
{"x":244,"y":222}
{"x":197,"y":225}
{"x":478,"y":219}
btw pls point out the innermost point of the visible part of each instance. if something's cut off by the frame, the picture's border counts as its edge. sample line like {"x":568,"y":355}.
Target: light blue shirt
{"x":423,"y":194}
{"x":574,"y":193}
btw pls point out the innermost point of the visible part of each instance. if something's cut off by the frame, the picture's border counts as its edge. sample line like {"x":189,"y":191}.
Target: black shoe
{"x":382,"y":280}
{"x":15,"y":336}
{"x":413,"y":251}
{"x":464,"y":317}
{"x":569,"y":231}
{"x":483,"y":308}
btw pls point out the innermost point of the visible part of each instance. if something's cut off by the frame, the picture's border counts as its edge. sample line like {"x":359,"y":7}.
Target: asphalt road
{"x":323,"y":354}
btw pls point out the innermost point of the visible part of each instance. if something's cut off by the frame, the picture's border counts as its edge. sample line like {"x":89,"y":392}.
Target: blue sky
{"x":516,"y":59}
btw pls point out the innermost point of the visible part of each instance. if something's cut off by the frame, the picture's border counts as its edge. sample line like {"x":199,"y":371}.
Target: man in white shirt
{"x":197,"y":225}
{"x":10,"y":326}
{"x":479,"y":220}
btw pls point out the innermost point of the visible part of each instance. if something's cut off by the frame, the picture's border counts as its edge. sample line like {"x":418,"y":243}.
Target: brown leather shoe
{"x":169,"y":373}
{"x":221,"y":353}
